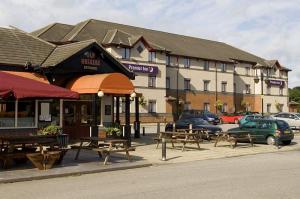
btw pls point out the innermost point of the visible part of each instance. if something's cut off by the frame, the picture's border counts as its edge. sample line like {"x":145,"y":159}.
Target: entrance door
{"x":77,"y":118}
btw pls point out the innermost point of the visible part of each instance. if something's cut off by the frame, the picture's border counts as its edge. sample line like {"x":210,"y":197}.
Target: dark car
{"x":205,"y":115}
{"x":264,"y":130}
{"x":196,"y":122}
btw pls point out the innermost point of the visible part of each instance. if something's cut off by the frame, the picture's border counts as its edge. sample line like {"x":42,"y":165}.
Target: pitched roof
{"x":53,"y":32}
{"x":18,"y":47}
{"x":177,"y":44}
{"x":63,"y":52}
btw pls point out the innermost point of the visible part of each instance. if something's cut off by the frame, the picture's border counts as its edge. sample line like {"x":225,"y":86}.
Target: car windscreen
{"x":298,"y":115}
{"x":211,"y":115}
{"x":282,"y":124}
{"x":199,"y":121}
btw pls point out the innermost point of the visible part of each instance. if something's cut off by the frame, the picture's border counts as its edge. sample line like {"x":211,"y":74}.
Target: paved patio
{"x":146,"y":154}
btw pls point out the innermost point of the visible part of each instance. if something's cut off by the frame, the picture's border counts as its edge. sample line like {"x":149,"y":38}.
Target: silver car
{"x":293,"y":119}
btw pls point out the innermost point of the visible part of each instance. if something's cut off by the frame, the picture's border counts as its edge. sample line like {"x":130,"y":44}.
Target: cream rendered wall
{"x":141,"y":79}
{"x":273,"y":100}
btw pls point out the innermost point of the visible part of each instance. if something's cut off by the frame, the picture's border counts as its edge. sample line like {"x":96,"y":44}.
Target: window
{"x":280,"y":91}
{"x":167,"y":82}
{"x":206,"y":65}
{"x":223,"y":67}
{"x":268,"y":90}
{"x":268,"y":108}
{"x":187,"y":106}
{"x":123,"y":105}
{"x":125,"y":53}
{"x":152,"y":56}
{"x":264,"y":125}
{"x":152,"y":81}
{"x":268,"y":72}
{"x":186,"y":62}
{"x":206,"y":85}
{"x":248,"y":91}
{"x":224,"y":108}
{"x":234,"y":68}
{"x":140,"y":49}
{"x":187,"y":84}
{"x":168,"y":60}
{"x":26,"y":113}
{"x":206,"y":107}
{"x":7,"y":114}
{"x":152,"y":106}
{"x":223,"y":86}
{"x":247,"y":70}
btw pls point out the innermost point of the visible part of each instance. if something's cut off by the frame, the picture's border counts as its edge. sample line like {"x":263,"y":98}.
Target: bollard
{"x":143,"y":131}
{"x":158,"y":128}
{"x":163,"y":149}
{"x":174,"y":127}
{"x":190,"y":128}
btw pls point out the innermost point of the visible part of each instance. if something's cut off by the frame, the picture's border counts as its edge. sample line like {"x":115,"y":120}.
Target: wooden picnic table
{"x":104,"y":147}
{"x":21,"y":148}
{"x":234,"y":137}
{"x":179,"y":137}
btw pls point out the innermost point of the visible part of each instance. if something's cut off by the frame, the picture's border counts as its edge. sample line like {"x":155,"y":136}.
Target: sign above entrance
{"x":137,"y":68}
{"x":90,"y":61}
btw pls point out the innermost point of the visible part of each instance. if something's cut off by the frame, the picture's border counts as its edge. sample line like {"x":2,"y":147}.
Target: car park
{"x":197,"y":123}
{"x":231,"y":118}
{"x":293,"y":119}
{"x":264,"y":130}
{"x":205,"y":115}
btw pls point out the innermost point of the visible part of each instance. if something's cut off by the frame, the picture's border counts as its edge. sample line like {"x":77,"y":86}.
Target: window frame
{"x":186,"y":62}
{"x":223,"y":87}
{"x":152,"y":106}
{"x":126,"y":53}
{"x":152,"y":56}
{"x":152,"y":81}
{"x":187,"y":87}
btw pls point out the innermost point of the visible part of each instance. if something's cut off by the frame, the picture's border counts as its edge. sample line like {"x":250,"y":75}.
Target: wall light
{"x":133,"y":95}
{"x":100,"y":94}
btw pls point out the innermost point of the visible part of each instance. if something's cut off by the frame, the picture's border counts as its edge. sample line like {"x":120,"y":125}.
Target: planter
{"x":44,"y":161}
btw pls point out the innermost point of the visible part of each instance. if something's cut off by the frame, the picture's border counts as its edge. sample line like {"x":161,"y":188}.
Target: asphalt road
{"x":274,"y":175}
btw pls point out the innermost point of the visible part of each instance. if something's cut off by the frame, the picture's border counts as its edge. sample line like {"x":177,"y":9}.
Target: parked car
{"x":293,"y":119}
{"x":265,"y":130}
{"x":247,"y":118}
{"x":205,"y":115}
{"x":232,"y":118}
{"x":196,"y":122}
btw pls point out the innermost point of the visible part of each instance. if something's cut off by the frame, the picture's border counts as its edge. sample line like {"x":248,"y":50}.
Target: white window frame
{"x":186,"y":62}
{"x":152,"y":81}
{"x":248,"y":88}
{"x":223,"y":87}
{"x":152,"y":56}
{"x":223,"y":67}
{"x":152,"y":105}
{"x":206,"y":85}
{"x":187,"y":87}
{"x":125,"y":53}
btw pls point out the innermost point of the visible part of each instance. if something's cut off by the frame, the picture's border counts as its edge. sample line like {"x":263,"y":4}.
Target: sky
{"x":267,"y":28}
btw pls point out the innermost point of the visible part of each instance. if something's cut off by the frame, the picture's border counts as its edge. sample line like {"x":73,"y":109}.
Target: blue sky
{"x":267,"y":28}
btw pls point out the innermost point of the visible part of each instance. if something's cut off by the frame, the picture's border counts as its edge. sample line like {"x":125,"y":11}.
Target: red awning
{"x":21,"y":87}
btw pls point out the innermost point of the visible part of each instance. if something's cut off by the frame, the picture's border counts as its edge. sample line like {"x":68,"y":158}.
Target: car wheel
{"x":271,"y":140}
{"x":236,"y":121}
{"x":286,"y":142}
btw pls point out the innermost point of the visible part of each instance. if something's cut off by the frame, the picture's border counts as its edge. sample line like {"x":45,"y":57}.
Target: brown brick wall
{"x":253,"y":100}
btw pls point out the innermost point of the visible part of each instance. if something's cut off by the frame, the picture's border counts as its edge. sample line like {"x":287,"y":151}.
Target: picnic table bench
{"x":21,"y":148}
{"x":179,"y":137}
{"x":105,"y":148}
{"x":234,"y":137}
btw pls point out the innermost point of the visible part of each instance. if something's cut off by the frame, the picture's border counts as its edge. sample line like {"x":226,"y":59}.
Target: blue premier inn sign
{"x":137,"y":68}
{"x":275,"y":82}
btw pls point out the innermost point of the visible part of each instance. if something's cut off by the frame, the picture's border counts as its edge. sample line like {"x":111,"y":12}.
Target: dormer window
{"x":140,"y":49}
{"x":125,"y":53}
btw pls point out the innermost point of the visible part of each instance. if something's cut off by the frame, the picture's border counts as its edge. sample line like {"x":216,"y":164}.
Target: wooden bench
{"x":234,"y":138}
{"x":7,"y":158}
{"x":107,"y":151}
{"x":179,"y":137}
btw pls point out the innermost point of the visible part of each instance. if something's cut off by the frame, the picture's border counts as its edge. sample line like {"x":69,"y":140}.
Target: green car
{"x":265,"y":130}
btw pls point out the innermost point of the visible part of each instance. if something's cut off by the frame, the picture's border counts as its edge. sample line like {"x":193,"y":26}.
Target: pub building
{"x":83,"y":68}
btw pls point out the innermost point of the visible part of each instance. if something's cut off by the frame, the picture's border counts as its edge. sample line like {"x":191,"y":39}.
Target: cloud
{"x":269,"y":29}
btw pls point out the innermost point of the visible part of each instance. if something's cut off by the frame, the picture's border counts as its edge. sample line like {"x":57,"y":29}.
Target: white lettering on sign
{"x":95,"y":68}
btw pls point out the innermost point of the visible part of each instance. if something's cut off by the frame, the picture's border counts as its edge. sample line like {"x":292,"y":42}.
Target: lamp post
{"x":262,"y":91}
{"x":177,"y":92}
